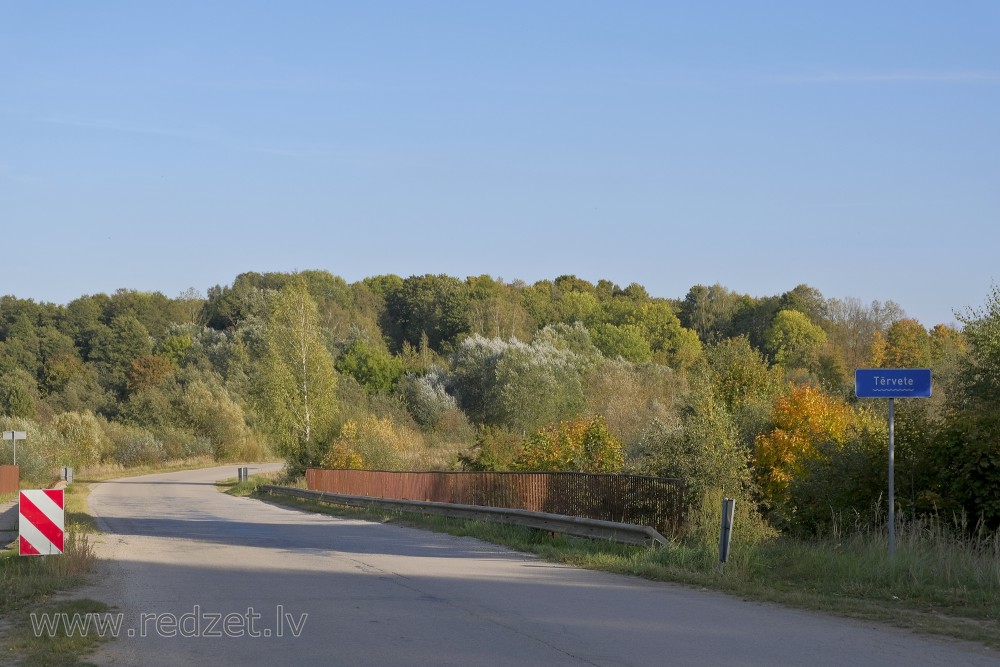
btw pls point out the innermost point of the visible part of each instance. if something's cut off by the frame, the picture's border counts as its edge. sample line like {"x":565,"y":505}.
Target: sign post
{"x":892,"y":383}
{"x":15,"y":436}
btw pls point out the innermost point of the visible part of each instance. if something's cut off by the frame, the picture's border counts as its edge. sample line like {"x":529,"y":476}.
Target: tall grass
{"x":24,"y":579}
{"x":939,"y":560}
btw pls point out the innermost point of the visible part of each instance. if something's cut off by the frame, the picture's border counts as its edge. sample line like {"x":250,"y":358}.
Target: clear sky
{"x":851,"y":146}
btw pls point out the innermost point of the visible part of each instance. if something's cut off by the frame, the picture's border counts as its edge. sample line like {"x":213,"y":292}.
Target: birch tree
{"x":297,"y":380}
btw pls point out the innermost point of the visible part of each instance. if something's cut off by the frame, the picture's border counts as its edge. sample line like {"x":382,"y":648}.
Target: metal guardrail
{"x":570,"y":525}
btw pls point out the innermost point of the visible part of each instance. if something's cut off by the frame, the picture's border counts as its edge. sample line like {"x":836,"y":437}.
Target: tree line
{"x":749,"y":396}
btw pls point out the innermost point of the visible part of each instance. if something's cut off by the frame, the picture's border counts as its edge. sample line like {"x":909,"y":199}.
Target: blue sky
{"x":851,"y":146}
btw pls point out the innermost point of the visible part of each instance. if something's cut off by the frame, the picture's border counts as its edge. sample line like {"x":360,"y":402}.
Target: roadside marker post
{"x":892,"y":383}
{"x":726,"y":532}
{"x":41,"y":522}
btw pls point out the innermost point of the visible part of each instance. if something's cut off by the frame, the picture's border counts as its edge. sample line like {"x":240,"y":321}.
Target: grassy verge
{"x":28,"y":584}
{"x":32,"y":644}
{"x":936,"y":584}
{"x":24,"y":580}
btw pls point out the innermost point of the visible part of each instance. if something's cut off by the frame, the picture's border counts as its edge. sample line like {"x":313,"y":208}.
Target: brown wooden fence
{"x":635,"y":499}
{"x":10,"y":479}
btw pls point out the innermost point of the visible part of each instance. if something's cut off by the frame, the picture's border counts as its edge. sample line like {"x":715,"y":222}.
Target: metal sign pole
{"x":14,"y":436}
{"x":892,"y":478}
{"x":892,"y":383}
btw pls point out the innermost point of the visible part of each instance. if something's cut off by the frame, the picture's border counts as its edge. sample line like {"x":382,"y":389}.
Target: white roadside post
{"x":892,"y":383}
{"x":15,"y":436}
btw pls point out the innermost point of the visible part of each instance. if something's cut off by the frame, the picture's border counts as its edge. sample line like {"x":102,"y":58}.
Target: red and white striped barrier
{"x":41,"y":516}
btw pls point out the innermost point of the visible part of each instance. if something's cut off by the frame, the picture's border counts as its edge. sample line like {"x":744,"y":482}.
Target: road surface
{"x":202,"y":578}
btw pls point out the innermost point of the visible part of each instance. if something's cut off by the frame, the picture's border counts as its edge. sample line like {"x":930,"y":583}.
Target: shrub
{"x":516,"y":385}
{"x":378,"y":442}
{"x":704,"y":516}
{"x":83,"y":436}
{"x":702,"y":448}
{"x":495,"y":450}
{"x":218,"y":420}
{"x":37,"y":455}
{"x":631,"y":397}
{"x":342,"y":457}
{"x":584,"y":444}
{"x":807,"y":422}
{"x":140,"y":450}
{"x":427,"y":398}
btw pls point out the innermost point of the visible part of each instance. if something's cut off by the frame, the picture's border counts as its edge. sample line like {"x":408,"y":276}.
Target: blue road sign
{"x":892,"y":382}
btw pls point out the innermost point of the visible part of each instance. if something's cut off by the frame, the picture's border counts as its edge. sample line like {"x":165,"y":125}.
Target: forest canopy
{"x":746,"y":395}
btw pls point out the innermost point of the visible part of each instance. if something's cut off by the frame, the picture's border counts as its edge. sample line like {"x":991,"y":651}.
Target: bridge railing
{"x":639,"y":500}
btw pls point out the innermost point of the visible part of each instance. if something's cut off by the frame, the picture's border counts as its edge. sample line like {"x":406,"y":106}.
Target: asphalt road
{"x":201,"y":578}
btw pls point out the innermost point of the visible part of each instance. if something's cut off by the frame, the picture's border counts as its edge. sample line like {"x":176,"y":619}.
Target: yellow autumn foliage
{"x":342,"y":457}
{"x":375,"y":443}
{"x":584,"y":444}
{"x":803,"y":420}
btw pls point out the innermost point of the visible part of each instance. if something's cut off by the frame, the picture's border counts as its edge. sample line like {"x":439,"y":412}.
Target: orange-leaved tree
{"x":804,"y":420}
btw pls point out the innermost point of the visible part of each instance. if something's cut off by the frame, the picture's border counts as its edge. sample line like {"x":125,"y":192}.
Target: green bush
{"x":427,"y":398}
{"x":495,"y":450}
{"x":584,"y":444}
{"x":141,"y":450}
{"x":82,"y":434}
{"x":704,"y":521}
{"x":703,"y":448}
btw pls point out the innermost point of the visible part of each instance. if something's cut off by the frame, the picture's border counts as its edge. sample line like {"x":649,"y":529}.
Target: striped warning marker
{"x":40,"y":522}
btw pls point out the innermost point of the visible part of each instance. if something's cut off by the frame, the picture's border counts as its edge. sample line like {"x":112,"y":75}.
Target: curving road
{"x":202,"y":578}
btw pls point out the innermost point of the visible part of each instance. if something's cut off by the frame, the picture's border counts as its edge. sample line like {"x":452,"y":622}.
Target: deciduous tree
{"x":805,"y":421}
{"x":794,"y":341}
{"x":296,"y":396}
{"x":905,"y":344}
